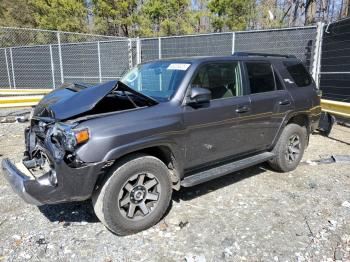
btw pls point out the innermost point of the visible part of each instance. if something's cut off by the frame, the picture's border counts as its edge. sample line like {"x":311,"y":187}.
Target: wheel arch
{"x":164,"y":152}
{"x":303,"y":120}
{"x":299,"y":118}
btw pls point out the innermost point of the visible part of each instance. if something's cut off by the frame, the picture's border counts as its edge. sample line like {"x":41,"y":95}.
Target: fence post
{"x":160,"y":48}
{"x":99,"y":61}
{"x":13,"y":69}
{"x":160,"y":57}
{"x":130,"y":53}
{"x":138,"y":51}
{"x":52,"y":69}
{"x":7,"y":68}
{"x":60,"y":56}
{"x":233,"y":42}
{"x":316,"y":66}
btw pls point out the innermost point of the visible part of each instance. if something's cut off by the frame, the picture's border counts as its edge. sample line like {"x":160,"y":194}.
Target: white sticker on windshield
{"x":182,"y":67}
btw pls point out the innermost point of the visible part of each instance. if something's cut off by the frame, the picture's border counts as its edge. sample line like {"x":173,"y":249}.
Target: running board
{"x":219,"y":171}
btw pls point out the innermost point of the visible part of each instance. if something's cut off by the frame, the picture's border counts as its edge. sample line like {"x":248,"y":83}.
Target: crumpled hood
{"x":75,"y":99}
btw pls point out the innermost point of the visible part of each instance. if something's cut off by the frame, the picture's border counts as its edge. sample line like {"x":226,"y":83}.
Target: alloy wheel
{"x":293,"y":148}
{"x":139,"y":196}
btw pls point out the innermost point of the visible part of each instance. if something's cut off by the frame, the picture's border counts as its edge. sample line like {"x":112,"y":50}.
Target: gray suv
{"x":169,"y":123}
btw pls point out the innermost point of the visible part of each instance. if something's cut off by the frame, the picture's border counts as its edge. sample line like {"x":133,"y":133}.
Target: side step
{"x":219,"y":171}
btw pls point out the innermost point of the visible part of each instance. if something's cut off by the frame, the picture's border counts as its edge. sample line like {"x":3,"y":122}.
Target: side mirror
{"x":199,"y":95}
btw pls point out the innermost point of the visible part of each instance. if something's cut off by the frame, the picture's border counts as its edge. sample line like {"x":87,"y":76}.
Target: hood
{"x":75,"y":99}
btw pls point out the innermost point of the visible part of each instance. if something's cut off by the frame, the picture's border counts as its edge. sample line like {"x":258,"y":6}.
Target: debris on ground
{"x":12,"y":116}
{"x":195,"y":258}
{"x":183,"y":224}
{"x":346,"y":204}
{"x":22,"y":119}
{"x":312,"y":185}
{"x":339,"y":159}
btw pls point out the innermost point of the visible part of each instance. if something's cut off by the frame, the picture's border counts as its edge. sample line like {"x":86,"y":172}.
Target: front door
{"x":212,"y":133}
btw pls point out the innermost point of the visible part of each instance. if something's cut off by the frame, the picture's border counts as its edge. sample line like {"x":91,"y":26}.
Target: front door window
{"x":222,"y":79}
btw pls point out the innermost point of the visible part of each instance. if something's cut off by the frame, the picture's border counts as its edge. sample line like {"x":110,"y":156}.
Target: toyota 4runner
{"x":169,"y":123}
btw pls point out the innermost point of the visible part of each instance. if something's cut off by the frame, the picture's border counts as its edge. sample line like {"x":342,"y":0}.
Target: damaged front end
{"x":50,"y":172}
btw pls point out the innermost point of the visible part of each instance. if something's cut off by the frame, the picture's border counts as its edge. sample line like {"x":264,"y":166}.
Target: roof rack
{"x":262,"y":54}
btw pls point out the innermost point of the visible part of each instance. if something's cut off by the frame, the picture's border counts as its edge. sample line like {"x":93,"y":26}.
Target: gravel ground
{"x":252,"y":215}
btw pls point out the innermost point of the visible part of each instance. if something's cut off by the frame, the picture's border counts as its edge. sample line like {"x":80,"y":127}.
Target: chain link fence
{"x":31,"y":58}
{"x":296,"y":41}
{"x":45,"y":59}
{"x":185,"y":46}
{"x":292,"y":41}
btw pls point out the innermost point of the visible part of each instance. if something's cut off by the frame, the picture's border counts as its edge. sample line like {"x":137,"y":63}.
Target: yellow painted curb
{"x":336,"y":108}
{"x":24,"y":91}
{"x":19,"y":101}
{"x":27,"y":104}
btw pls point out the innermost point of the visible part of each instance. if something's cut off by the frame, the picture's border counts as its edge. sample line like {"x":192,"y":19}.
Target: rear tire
{"x":289,"y":148}
{"x":135,"y":196}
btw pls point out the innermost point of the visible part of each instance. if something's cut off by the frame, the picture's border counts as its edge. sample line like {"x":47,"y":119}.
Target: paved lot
{"x":252,"y":215}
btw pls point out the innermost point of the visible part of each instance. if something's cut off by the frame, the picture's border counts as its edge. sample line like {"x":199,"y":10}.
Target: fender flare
{"x":146,"y":143}
{"x":285,"y":121}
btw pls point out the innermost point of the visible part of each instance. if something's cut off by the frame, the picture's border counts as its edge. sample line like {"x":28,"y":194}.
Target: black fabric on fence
{"x":335,"y":61}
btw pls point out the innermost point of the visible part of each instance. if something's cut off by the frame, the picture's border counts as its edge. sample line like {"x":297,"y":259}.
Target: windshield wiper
{"x":123,"y":87}
{"x":131,"y":101}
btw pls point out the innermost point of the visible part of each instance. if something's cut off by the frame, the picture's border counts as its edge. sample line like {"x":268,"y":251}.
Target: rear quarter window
{"x":298,"y":72}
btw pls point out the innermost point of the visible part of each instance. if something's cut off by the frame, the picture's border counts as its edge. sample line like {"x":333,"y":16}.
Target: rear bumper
{"x":18,"y":181}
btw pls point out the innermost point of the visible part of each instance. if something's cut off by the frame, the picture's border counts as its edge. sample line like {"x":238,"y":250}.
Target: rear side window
{"x":261,"y":77}
{"x":298,"y":72}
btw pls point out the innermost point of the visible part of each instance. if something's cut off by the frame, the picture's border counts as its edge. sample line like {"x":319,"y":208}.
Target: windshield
{"x":158,"y":80}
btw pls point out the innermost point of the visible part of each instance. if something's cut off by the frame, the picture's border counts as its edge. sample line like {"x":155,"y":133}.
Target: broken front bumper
{"x":71,"y":184}
{"x":19,"y":181}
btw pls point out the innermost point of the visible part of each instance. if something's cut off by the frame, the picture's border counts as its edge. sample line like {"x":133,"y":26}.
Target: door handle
{"x":242,"y":109}
{"x":284,"y":102}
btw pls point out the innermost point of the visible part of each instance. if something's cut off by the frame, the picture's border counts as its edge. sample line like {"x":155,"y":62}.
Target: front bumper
{"x":18,"y":181}
{"x":73,"y":184}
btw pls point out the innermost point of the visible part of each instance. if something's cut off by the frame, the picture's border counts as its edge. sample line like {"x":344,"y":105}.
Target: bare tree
{"x":345,"y":8}
{"x":293,"y":16}
{"x":310,"y":12}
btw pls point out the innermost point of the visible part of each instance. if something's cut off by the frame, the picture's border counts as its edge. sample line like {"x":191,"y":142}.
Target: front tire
{"x":135,"y":196}
{"x":289,"y":148}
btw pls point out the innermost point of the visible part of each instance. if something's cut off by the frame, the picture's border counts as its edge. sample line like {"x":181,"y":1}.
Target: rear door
{"x":270,"y":102}
{"x":212,"y":133}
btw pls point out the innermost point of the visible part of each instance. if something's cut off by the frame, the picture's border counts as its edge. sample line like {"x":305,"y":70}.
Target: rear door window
{"x":298,"y":72}
{"x":261,"y":77}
